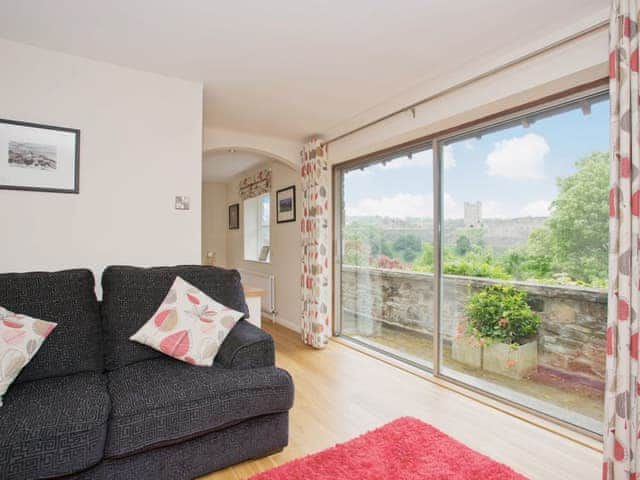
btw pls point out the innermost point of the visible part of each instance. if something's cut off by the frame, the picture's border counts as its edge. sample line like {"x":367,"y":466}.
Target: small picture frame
{"x":39,"y":158}
{"x":286,"y":205}
{"x":234,"y":216}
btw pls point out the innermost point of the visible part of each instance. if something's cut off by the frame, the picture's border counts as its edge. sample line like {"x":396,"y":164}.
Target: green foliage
{"x":576,"y":235}
{"x":520,"y":264}
{"x":474,"y":266}
{"x":500,"y":313}
{"x":463,"y":245}
{"x":355,"y":252}
{"x":424,"y":262}
{"x":408,"y":247}
{"x":369,"y":235}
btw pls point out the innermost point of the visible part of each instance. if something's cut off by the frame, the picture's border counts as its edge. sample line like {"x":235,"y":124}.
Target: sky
{"x":512,"y":171}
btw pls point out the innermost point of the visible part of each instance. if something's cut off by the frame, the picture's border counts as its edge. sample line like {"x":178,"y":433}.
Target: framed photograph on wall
{"x":234,"y":216}
{"x":39,"y":158}
{"x":286,"y":205}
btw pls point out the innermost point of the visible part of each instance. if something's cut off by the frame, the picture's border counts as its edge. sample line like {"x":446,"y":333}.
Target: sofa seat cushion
{"x":163,"y":401}
{"x":54,"y":426}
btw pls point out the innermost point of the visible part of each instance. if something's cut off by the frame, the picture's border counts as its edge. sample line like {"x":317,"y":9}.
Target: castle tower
{"x":473,"y":214}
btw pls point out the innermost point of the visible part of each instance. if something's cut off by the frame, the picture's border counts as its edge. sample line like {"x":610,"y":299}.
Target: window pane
{"x":387,"y":255}
{"x":257,"y":216}
{"x":525,"y":233}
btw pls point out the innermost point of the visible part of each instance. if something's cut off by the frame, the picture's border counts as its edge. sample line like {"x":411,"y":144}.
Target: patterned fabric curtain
{"x":622,"y":389}
{"x":315,"y":245}
{"x":256,"y":184}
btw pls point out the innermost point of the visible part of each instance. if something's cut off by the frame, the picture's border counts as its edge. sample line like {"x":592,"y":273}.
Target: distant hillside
{"x":498,"y":233}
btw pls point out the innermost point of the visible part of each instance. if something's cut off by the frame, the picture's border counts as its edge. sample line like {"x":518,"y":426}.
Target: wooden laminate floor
{"x":341,"y":393}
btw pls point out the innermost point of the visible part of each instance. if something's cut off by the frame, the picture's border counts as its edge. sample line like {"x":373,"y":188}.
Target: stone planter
{"x":467,"y":351}
{"x":517,"y":363}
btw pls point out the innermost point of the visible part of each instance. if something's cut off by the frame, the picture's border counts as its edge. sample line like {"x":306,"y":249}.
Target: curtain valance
{"x":255,"y":184}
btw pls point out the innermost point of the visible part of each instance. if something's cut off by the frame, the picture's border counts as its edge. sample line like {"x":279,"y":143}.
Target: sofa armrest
{"x":246,"y":347}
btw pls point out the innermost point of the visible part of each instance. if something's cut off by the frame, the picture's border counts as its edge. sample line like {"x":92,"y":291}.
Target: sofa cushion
{"x":54,"y":426}
{"x":131,"y":295}
{"x":189,"y":325}
{"x":163,"y":401}
{"x":68,"y":299}
{"x":20,"y":338}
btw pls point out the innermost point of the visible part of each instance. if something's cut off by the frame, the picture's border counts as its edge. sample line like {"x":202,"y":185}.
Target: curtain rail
{"x":558,"y":43}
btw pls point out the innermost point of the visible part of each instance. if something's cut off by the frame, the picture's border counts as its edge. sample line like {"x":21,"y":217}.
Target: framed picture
{"x":39,"y":158}
{"x":234,"y":216}
{"x":286,"y":205}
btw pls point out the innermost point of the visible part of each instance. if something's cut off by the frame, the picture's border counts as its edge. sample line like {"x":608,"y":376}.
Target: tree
{"x":463,"y":245}
{"x":356,"y":253}
{"x":575,"y":237}
{"x":369,"y":235}
{"x":424,"y":262}
{"x":408,"y":247}
{"x":521,"y":264}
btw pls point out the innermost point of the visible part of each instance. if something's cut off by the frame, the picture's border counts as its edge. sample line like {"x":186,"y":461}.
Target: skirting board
{"x":295,"y":326}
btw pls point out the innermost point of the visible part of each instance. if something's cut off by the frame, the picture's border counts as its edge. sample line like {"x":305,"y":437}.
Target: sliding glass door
{"x":495,"y":249}
{"x":386,"y":253}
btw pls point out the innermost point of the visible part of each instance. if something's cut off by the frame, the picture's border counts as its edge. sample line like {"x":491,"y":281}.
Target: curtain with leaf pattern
{"x":622,"y":389}
{"x":314,"y":226}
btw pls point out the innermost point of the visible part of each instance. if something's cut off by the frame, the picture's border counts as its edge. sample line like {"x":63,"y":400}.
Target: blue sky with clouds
{"x":512,"y":171}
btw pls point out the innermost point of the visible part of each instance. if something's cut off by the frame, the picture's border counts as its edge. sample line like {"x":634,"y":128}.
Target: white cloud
{"x":494,"y":209}
{"x":539,"y":208}
{"x":469,"y":144}
{"x":451,"y":208}
{"x":519,"y":157}
{"x":402,"y":205}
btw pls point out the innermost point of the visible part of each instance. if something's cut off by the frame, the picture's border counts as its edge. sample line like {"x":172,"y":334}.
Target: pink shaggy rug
{"x":405,"y":449}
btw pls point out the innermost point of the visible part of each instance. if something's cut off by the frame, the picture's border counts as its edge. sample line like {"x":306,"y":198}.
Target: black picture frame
{"x":234,"y":216}
{"x":75,"y":156}
{"x":289,"y":215}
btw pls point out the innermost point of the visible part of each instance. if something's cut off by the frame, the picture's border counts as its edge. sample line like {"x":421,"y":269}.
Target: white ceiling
{"x":221,"y":166}
{"x":290,"y":68}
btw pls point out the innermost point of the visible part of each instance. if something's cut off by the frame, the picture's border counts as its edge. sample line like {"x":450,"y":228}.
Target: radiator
{"x":267,"y":283}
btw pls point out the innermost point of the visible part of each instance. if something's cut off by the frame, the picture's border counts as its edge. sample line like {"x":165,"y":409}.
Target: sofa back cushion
{"x":131,"y":295}
{"x":68,"y":299}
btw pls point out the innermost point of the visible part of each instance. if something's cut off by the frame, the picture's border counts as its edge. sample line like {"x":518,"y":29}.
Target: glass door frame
{"x":436,"y":142}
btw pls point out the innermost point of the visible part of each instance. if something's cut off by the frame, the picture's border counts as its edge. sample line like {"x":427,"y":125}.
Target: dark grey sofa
{"x":94,"y":405}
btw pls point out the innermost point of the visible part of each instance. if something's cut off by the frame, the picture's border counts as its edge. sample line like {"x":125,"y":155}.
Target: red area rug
{"x":405,"y":449}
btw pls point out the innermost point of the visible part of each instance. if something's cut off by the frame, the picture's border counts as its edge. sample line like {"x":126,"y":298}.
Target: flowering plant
{"x":500,"y":313}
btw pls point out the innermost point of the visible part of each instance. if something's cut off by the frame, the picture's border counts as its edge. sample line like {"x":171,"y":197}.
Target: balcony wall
{"x":571,"y":340}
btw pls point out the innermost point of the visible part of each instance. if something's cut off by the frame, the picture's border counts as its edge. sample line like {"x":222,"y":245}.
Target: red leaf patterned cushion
{"x":20,"y":338}
{"x":188,"y":325}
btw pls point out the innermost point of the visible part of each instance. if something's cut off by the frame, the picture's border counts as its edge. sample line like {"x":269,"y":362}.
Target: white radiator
{"x":267,"y":283}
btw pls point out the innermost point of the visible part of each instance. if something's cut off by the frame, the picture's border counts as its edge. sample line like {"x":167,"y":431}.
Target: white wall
{"x":223,"y":139}
{"x":141,"y":144}
{"x":214,"y":222}
{"x":285,"y":245}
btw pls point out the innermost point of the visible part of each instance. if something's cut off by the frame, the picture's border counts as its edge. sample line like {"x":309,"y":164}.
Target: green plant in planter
{"x":500,"y":313}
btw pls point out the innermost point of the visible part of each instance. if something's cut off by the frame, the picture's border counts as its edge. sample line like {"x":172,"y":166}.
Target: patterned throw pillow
{"x":20,"y":338}
{"x":188,"y":326}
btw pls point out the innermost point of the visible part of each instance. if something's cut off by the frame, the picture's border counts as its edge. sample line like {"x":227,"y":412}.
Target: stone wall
{"x":571,"y":340}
